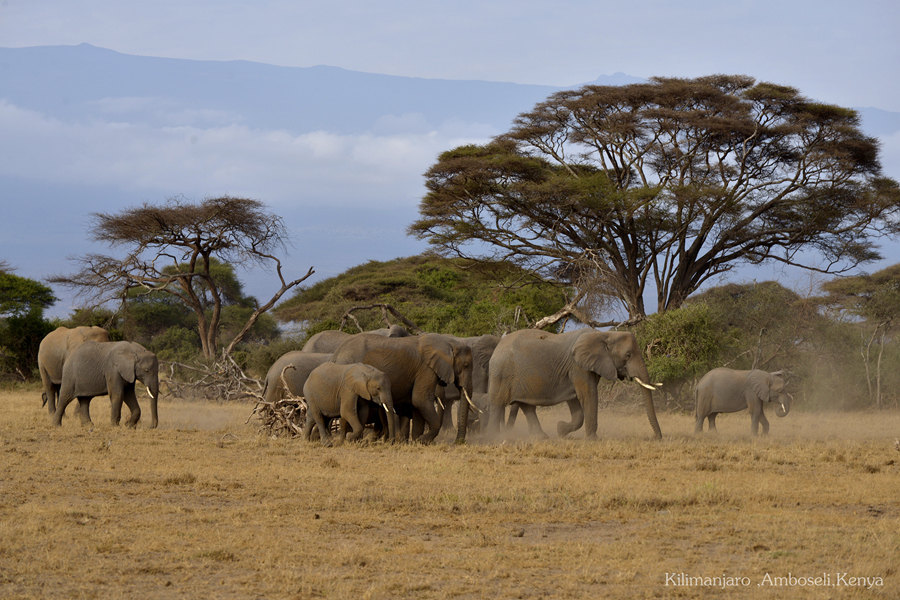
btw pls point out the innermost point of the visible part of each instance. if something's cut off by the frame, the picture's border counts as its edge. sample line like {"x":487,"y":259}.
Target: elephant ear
{"x":590,"y":352}
{"x":124,"y":363}
{"x":439,"y":358}
{"x":759,"y":383}
{"x":482,"y":350}
{"x":357,"y":379}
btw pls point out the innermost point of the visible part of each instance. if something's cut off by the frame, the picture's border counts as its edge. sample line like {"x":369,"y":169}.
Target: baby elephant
{"x":727,"y":390}
{"x":333,"y":390}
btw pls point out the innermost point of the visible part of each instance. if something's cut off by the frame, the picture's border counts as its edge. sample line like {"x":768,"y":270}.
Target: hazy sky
{"x":838,"y":51}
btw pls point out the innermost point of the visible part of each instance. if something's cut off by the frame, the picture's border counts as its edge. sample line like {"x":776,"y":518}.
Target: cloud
{"x":275,"y":166}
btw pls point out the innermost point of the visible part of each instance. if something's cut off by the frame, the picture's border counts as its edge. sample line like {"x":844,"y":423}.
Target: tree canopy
{"x":22,"y":323}
{"x":172,"y":249}
{"x":20,"y":295}
{"x":432,"y":293}
{"x":665,"y":184}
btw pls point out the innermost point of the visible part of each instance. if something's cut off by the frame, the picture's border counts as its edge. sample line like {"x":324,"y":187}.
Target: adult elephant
{"x":482,"y":347}
{"x":330,"y":339}
{"x":113,"y":368}
{"x":415,"y":365}
{"x":291,"y":368}
{"x":729,"y":390}
{"x":333,"y":390}
{"x":52,"y":353}
{"x":535,"y":368}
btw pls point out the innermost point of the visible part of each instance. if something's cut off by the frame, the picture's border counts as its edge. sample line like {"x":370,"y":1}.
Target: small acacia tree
{"x":875,"y":299}
{"x":665,"y":184}
{"x":171,"y":249}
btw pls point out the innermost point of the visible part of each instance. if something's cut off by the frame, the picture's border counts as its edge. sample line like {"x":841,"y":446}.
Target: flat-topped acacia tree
{"x":667,"y":183}
{"x":171,"y":249}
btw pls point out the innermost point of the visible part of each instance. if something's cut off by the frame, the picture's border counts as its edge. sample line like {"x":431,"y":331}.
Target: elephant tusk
{"x":469,"y":400}
{"x":151,"y":393}
{"x":644,"y":385}
{"x":441,"y":404}
{"x":783,"y":408}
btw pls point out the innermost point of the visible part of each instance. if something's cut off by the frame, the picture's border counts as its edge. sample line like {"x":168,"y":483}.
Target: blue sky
{"x":836,"y":52}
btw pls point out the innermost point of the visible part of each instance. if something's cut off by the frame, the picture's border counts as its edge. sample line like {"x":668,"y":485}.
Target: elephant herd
{"x":405,"y":385}
{"x":430,"y":372}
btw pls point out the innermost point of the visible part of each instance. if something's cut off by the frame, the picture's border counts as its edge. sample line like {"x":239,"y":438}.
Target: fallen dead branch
{"x":284,"y":416}
{"x":222,"y":380}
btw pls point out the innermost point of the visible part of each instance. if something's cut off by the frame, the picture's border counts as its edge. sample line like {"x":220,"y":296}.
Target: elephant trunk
{"x":642,"y":376}
{"x":651,"y":413}
{"x":387,"y":402}
{"x":153,"y":390}
{"x":462,"y":417}
{"x":784,"y":405}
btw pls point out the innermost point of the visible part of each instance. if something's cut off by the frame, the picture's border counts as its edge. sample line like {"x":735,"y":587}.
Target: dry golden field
{"x":207,"y":507}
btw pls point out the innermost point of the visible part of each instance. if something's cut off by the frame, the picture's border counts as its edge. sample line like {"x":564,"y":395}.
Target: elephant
{"x":330,"y":339}
{"x":101,"y":368}
{"x":729,"y":390}
{"x":52,"y":353}
{"x":534,"y":368}
{"x":296,"y":367}
{"x":482,"y":347}
{"x":415,"y":365}
{"x":333,"y":390}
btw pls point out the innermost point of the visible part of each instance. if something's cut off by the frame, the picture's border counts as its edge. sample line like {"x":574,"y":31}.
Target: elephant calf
{"x":333,"y":390}
{"x":728,"y":390}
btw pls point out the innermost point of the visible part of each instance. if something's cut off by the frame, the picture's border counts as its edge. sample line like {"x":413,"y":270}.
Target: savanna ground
{"x":208,"y":507}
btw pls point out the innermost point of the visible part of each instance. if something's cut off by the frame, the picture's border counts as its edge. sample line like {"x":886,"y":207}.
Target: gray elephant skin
{"x":296,"y":367}
{"x":330,"y":339}
{"x":52,"y":353}
{"x":725,"y":390}
{"x":334,"y":390}
{"x":109,"y":368}
{"x":415,"y":365}
{"x":482,"y":347}
{"x":535,"y":368}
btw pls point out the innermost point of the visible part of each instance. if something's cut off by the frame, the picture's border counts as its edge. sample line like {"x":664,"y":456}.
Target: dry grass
{"x":207,"y":507}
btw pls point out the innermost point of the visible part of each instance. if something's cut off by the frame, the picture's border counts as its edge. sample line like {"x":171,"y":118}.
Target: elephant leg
{"x":308,"y":426}
{"x":417,"y":425}
{"x":64,"y":399}
{"x":133,"y":406}
{"x":764,"y":422}
{"x":534,"y":424}
{"x":84,"y":410}
{"x":754,"y":422}
{"x":563,"y":429}
{"x":712,"y":421}
{"x":429,"y":414}
{"x":698,"y":423}
{"x":446,"y":414}
{"x":513,"y":413}
{"x":324,"y":432}
{"x":352,"y":420}
{"x":115,"y":409}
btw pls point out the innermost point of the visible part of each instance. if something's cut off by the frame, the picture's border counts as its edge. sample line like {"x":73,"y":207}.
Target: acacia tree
{"x":667,"y":183}
{"x":171,"y":249}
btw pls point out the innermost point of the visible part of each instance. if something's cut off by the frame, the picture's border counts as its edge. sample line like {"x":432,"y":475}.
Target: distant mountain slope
{"x":85,"y":82}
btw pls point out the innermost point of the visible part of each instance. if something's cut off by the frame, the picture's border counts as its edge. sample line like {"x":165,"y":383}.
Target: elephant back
{"x":397,"y":357}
